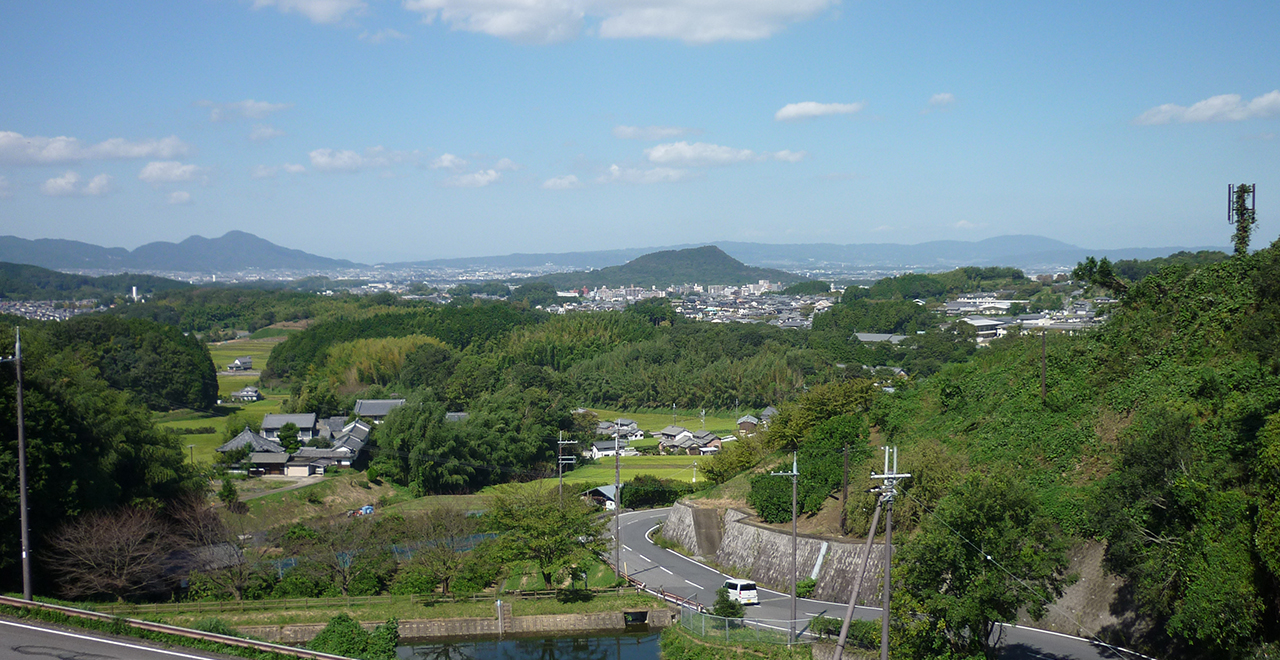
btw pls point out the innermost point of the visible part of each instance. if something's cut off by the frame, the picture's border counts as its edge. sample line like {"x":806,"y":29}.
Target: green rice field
{"x":721,"y":423}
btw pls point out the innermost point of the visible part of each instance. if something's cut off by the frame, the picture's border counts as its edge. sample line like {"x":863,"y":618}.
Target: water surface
{"x":622,"y":646}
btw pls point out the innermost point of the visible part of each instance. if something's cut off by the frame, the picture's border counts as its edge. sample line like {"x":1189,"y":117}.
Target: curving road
{"x":675,"y":573}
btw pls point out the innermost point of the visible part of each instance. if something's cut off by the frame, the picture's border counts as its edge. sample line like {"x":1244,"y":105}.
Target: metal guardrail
{"x":216,"y":606}
{"x":174,"y":630}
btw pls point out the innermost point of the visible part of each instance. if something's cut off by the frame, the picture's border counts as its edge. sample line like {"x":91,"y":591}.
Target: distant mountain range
{"x":235,"y":251}
{"x":239,"y":251}
{"x":701,"y":265}
{"x":1020,"y":251}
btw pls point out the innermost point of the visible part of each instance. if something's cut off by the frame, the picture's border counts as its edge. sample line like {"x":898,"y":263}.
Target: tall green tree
{"x":986,"y":552}
{"x":535,"y":526}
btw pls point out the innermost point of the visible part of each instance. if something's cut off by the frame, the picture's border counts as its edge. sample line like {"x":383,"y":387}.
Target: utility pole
{"x":794,"y":473}
{"x":562,"y":460}
{"x":857,"y":585}
{"x":1043,"y":333}
{"x":844,"y":494}
{"x":22,"y":468}
{"x":673,"y":414}
{"x":887,"y":493}
{"x":192,"y":450}
{"x":617,"y":502}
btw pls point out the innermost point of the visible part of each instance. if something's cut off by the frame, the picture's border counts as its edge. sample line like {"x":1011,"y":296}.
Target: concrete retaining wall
{"x":472,"y":627}
{"x":764,"y":553}
{"x":679,"y":528}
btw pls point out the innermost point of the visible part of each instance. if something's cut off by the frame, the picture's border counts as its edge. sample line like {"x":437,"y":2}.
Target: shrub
{"x":729,"y":609}
{"x":414,"y":579}
{"x":804,"y":588}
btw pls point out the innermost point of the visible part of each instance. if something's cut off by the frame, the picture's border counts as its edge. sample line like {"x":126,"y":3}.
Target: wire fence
{"x":746,"y":631}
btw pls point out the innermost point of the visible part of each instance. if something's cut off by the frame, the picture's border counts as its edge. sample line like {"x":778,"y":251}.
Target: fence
{"x":745,"y":631}
{"x":306,"y":603}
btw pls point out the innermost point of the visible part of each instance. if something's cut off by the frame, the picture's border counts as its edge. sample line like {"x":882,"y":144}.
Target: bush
{"x":342,"y":636}
{"x":804,"y":588}
{"x":414,"y":579}
{"x":214,"y":625}
{"x":729,"y":609}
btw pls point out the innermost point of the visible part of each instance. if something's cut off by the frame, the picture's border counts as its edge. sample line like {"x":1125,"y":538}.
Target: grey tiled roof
{"x":376,"y":407}
{"x":255,"y":442}
{"x":303,"y":421}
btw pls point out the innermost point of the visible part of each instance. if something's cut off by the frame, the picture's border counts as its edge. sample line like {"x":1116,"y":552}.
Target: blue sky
{"x":377,"y":130}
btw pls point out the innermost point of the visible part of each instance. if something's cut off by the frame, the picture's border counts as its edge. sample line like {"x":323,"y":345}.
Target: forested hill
{"x":23,"y":282}
{"x":233,"y":251}
{"x":703,"y":265}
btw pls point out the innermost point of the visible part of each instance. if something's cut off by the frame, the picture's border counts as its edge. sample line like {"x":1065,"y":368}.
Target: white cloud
{"x":168,"y":171}
{"x":319,"y":11}
{"x":247,"y":108}
{"x":1225,"y":107}
{"x":448,"y":162}
{"x":964,"y":224}
{"x":809,"y":109}
{"x":698,"y":153}
{"x":179,"y":197}
{"x":381,"y":36}
{"x":264,"y":132}
{"x":655,"y":175}
{"x":69,"y":184}
{"x":37,"y":150}
{"x":5,"y":190}
{"x":332,"y":160}
{"x":566,"y":182}
{"x":943,"y":99}
{"x":293,"y":168}
{"x":264,"y":172}
{"x":649,"y":132}
{"x":702,"y":153}
{"x":694,"y":21}
{"x":473,"y":180}
{"x":506,"y":165}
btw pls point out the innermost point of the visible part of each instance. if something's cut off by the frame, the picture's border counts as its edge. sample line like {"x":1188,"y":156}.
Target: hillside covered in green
{"x":704,"y":265}
{"x":1158,"y":434}
{"x":23,"y":282}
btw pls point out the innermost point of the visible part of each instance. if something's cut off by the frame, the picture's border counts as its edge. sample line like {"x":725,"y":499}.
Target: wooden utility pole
{"x":1043,"y":390}
{"x":844,"y":495}
{"x":857,"y":586}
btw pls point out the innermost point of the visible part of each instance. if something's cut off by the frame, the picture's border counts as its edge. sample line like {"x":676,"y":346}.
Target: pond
{"x":620,"y":646}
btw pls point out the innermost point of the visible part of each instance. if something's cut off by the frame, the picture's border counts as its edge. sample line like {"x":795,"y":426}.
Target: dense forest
{"x":91,"y":443}
{"x":1158,"y":434}
{"x":22,"y":282}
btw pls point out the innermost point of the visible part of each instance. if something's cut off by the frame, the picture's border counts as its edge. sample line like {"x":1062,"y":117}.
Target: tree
{"x":351,"y":551}
{"x":289,"y":437}
{"x":228,"y":494}
{"x":1242,"y":216}
{"x":535,"y":526}
{"x":957,"y":575}
{"x":120,"y":553}
{"x":448,"y":533}
{"x":221,"y":551}
{"x":727,"y":607}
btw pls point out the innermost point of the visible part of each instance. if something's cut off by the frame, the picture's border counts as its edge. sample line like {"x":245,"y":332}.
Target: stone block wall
{"x":473,"y":626}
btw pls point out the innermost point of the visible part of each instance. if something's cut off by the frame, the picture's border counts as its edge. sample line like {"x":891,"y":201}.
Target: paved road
{"x":658,"y":567}
{"x":34,"y":641}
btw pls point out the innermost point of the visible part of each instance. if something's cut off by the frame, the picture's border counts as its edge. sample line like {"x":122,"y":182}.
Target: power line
{"x":1047,"y":603}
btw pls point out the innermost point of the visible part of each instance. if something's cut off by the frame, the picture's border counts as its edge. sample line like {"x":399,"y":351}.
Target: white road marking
{"x":688,"y":582}
{"x":104,"y":641}
{"x":624,"y":547}
{"x":664,"y":570}
{"x":645,"y":558}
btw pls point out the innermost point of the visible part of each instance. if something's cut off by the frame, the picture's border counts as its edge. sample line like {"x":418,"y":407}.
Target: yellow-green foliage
{"x":566,"y":339}
{"x":370,"y":361}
